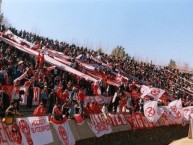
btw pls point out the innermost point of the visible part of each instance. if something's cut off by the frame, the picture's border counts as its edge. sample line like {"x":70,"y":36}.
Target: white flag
{"x":176,"y":110}
{"x":144,"y":91}
{"x":151,"y":111}
{"x":187,"y":112}
{"x":156,"y":93}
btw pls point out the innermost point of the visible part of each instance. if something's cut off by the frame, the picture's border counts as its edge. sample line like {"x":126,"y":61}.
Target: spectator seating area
{"x":117,"y":81}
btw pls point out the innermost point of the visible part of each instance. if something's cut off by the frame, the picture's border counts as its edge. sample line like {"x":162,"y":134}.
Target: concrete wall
{"x":155,"y":136}
{"x":122,"y":135}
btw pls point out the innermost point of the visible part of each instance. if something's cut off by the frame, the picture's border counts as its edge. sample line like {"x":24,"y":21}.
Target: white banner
{"x":35,"y":130}
{"x":100,"y":129}
{"x":144,"y":91}
{"x":63,"y":131}
{"x":151,"y":111}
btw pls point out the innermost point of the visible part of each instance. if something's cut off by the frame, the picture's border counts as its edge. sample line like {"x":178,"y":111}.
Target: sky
{"x":149,"y":30}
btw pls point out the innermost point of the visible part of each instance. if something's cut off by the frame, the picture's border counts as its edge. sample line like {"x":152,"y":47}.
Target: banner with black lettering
{"x":35,"y":130}
{"x":63,"y":131}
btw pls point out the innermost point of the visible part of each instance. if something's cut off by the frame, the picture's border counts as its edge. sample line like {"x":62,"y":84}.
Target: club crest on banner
{"x":155,"y":91}
{"x":176,"y":113}
{"x":150,"y":112}
{"x":63,"y":134}
{"x":24,"y":127}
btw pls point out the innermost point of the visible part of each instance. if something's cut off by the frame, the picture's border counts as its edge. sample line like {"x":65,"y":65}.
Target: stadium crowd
{"x":63,"y":93}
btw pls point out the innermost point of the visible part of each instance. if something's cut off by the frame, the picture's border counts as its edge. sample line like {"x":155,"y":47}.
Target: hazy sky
{"x":157,"y":30}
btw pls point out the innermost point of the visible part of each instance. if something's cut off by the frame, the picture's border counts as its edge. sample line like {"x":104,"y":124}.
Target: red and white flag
{"x":12,"y":134}
{"x":100,"y":129}
{"x":3,"y":139}
{"x":96,"y":89}
{"x":151,"y":111}
{"x":63,"y":131}
{"x":176,"y":110}
{"x":36,"y":98}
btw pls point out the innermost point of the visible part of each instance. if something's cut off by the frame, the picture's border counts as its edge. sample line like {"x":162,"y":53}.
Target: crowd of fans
{"x":63,"y":93}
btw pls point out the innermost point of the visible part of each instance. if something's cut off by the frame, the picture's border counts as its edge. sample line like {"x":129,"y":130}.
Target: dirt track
{"x":183,"y":141}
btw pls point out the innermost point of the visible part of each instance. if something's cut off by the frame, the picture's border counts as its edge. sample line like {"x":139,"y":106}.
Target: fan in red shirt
{"x":64,"y":96}
{"x":41,"y":61}
{"x":80,"y":97}
{"x":96,"y":88}
{"x":59,"y":91}
{"x":87,"y":110}
{"x":41,"y":74}
{"x":37,"y":60}
{"x":123,"y":103}
{"x":31,"y":72}
{"x":57,"y":111}
{"x":40,"y":110}
{"x":95,"y":108}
